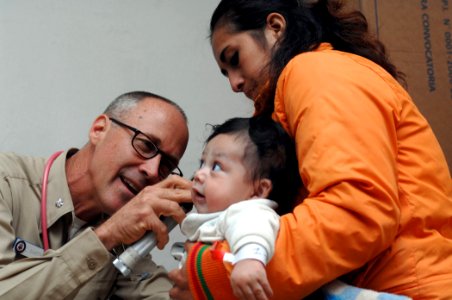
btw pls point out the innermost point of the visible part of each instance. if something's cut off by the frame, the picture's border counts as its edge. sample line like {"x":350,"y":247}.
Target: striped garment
{"x":218,"y":286}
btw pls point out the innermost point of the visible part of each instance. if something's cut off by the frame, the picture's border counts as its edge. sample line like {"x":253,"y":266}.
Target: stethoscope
{"x":45,"y":234}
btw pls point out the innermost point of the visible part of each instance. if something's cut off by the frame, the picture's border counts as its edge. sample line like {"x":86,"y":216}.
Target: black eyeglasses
{"x":145,"y":148}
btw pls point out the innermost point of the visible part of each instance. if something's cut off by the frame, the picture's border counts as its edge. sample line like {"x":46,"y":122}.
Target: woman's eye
{"x":234,"y":61}
{"x":216,"y":167}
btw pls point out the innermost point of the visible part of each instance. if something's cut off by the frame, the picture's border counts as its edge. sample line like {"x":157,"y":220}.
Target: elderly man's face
{"x":117,"y":170}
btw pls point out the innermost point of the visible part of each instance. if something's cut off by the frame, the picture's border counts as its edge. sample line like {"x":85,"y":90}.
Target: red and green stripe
{"x":201,"y":290}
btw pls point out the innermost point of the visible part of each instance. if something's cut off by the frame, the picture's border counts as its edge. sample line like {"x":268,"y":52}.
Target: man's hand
{"x":249,"y":280}
{"x":142,"y":213}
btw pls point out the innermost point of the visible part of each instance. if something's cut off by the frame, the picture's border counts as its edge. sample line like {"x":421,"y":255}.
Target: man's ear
{"x":263,"y":188}
{"x":99,"y":128}
{"x":276,"y":25}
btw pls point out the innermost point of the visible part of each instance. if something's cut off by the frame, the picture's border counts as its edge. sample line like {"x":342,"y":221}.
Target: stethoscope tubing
{"x":45,"y":178}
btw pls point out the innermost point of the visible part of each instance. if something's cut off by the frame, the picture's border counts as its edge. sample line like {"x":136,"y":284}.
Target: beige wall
{"x":62,"y":62}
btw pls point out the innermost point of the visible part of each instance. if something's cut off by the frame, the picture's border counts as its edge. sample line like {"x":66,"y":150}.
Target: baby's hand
{"x":249,"y":281}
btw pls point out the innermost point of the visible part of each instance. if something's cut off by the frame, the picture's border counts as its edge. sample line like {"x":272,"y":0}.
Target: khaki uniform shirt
{"x":80,"y":268}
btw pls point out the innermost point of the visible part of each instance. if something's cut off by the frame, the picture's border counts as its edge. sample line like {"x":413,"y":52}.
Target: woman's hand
{"x":180,"y":290}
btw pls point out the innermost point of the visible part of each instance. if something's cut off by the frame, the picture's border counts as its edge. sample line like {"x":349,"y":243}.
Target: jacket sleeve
{"x":343,"y":116}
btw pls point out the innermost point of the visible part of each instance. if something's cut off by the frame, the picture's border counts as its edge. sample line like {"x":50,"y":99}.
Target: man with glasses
{"x":147,"y":150}
{"x":98,"y":198}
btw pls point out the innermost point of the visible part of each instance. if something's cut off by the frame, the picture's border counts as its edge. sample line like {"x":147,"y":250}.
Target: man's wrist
{"x":105,"y":237}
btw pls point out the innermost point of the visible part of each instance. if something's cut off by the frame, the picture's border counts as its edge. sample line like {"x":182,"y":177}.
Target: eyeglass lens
{"x":148,"y":149}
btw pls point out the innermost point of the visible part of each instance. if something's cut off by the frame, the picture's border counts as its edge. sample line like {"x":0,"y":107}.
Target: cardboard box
{"x":418,"y":37}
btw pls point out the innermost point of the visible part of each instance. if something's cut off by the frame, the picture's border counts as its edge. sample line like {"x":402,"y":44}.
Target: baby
{"x":249,"y":174}
{"x":245,"y":163}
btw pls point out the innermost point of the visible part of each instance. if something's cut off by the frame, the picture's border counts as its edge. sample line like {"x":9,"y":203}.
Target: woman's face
{"x":242,"y":58}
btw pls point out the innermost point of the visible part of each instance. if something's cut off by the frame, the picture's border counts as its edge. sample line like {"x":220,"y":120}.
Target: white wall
{"x":62,"y":62}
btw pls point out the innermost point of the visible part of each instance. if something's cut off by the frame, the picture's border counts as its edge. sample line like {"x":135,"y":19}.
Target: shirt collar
{"x":59,"y":200}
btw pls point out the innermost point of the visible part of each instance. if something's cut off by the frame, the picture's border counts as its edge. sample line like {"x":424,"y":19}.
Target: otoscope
{"x":129,"y":258}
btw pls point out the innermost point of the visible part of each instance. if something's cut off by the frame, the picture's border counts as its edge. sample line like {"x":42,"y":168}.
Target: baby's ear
{"x":263,"y":188}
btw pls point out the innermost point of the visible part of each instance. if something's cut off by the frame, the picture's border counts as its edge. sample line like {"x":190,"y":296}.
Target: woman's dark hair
{"x":308,"y":23}
{"x":269,"y":153}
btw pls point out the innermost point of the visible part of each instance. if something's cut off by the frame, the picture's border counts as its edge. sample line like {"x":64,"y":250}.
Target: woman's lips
{"x":248,"y":94}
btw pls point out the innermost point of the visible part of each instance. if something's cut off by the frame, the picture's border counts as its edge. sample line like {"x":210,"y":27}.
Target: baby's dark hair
{"x":269,"y":153}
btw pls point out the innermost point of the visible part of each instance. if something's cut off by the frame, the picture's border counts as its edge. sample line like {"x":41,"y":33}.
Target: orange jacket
{"x":379,"y":209}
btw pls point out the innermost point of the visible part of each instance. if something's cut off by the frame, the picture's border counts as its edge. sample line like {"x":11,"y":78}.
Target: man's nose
{"x":150,"y":167}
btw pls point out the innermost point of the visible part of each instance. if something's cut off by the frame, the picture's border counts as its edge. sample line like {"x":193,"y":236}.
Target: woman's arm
{"x":342,"y":115}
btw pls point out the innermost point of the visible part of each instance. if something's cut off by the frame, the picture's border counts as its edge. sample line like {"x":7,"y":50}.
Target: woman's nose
{"x":236,"y":82}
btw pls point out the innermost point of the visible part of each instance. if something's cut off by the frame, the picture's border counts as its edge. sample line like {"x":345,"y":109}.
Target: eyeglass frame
{"x":136,"y":131}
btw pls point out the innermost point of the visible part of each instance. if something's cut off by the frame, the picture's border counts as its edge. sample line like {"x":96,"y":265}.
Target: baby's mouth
{"x":197,"y":194}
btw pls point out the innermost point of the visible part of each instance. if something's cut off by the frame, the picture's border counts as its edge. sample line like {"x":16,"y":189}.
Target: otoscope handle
{"x":128,"y":259}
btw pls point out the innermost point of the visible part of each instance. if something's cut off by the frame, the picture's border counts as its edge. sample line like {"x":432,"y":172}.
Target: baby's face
{"x":222,"y":178}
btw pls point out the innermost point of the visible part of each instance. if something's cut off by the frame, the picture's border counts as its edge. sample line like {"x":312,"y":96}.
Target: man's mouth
{"x":134,"y":189}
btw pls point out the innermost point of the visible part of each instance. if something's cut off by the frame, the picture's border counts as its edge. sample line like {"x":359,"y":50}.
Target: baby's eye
{"x":216,"y":167}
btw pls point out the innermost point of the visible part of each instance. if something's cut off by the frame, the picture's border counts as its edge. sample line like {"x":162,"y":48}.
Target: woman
{"x":379,"y":193}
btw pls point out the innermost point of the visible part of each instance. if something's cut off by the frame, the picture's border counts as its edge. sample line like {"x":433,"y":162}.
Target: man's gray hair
{"x":125,"y":102}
